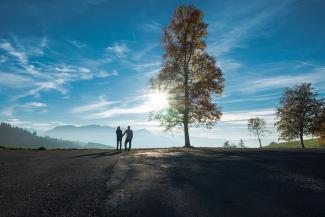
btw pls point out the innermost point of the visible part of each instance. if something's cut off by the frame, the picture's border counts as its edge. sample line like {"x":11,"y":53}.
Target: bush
{"x":41,"y":148}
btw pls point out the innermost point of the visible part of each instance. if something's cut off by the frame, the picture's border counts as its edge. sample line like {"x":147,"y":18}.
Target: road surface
{"x":162,"y":182}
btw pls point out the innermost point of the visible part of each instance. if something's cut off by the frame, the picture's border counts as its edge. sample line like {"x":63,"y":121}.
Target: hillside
{"x":11,"y":136}
{"x":309,"y":143}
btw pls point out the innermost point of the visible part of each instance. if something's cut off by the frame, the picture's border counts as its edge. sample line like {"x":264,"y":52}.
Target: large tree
{"x":189,"y":75}
{"x":257,"y":127}
{"x":297,"y":113}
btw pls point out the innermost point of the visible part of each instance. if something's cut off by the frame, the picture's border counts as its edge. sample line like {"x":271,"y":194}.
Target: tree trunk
{"x":186,"y":112}
{"x":302,"y":140}
{"x":186,"y":134}
{"x":259,"y":140}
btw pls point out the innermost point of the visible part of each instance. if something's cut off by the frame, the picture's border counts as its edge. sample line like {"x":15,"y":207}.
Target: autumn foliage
{"x":189,"y":75}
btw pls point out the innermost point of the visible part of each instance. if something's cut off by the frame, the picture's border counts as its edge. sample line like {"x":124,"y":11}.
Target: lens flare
{"x":158,"y":100}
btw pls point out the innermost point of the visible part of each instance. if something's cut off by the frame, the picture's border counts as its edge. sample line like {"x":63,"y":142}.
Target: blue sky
{"x":89,"y":61}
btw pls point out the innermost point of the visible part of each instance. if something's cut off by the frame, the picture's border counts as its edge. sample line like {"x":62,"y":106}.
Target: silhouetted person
{"x":119,"y":138}
{"x":128,"y":139}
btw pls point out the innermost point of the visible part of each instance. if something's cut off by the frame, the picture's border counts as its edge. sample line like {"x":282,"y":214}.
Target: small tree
{"x":189,"y":75}
{"x":297,"y":113}
{"x":233,"y":145}
{"x":226,"y":144}
{"x":241,"y":143}
{"x":257,"y":127}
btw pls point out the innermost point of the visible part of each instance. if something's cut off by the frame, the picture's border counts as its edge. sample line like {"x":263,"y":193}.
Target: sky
{"x":84,"y":62}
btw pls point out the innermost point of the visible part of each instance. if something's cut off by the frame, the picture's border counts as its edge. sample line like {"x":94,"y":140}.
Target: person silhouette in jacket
{"x":119,"y":138}
{"x":128,"y":139}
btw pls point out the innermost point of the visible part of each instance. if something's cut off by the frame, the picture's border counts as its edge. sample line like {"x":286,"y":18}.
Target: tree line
{"x":11,"y":136}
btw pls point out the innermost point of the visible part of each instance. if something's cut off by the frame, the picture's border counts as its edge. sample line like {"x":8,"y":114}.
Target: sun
{"x":158,"y":100}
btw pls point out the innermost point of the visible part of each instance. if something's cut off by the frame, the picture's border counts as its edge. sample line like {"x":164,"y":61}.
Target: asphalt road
{"x":174,"y":182}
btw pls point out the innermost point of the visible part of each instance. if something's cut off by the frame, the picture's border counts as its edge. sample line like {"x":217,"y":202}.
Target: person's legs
{"x":119,"y":143}
{"x":125,"y":142}
{"x":117,"y":140}
{"x":130,"y":141}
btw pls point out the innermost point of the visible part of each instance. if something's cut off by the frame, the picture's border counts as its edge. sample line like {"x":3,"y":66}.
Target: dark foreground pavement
{"x":172,"y":182}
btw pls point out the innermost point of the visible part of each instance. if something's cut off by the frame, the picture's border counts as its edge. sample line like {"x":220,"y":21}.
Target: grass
{"x":309,"y":143}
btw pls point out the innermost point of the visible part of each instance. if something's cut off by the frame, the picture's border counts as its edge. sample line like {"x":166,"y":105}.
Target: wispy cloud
{"x":76,"y":43}
{"x":13,"y":80}
{"x":44,"y":42}
{"x":141,"y":109}
{"x":7,"y":112}
{"x":21,"y":56}
{"x":34,"y":105}
{"x":141,"y":53}
{"x":36,"y":77}
{"x":226,"y":40}
{"x":31,"y":125}
{"x":229,"y":65}
{"x":30,"y":106}
{"x":152,"y":27}
{"x":103,"y":108}
{"x":255,"y":98}
{"x":316,"y":76}
{"x":243,"y":116}
{"x":118,"y":49}
{"x":95,"y":106}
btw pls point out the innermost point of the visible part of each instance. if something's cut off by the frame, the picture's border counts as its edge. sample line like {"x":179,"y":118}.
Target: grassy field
{"x":309,"y":143}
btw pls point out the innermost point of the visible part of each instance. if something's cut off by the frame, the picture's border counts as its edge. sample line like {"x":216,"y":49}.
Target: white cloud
{"x":243,"y":116}
{"x":102,"y":103}
{"x":315,"y":77}
{"x":153,"y":27}
{"x":137,"y":124}
{"x":34,"y":105}
{"x":256,"y":98}
{"x":141,"y":67}
{"x":21,"y":56}
{"x":119,"y":49}
{"x":30,"y":106}
{"x":226,"y":40}
{"x":76,"y":43}
{"x":8,"y":112}
{"x":13,"y":80}
{"x":141,"y":109}
{"x":228,"y":65}
{"x":17,"y":122}
{"x":41,"y":76}
{"x":44,"y":42}
{"x":140,"y":54}
{"x":39,"y":127}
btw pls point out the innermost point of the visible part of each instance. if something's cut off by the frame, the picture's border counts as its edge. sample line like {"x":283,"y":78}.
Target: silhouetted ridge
{"x":11,"y":136}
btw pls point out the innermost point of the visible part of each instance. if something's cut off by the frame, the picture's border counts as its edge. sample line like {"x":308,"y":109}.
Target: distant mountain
{"x":93,"y":145}
{"x":106,"y":135}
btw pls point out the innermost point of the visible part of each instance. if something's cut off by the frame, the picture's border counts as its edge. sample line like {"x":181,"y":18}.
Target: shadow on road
{"x":98,"y":155}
